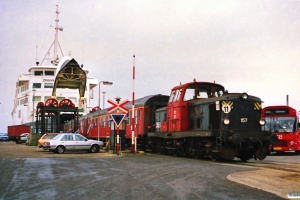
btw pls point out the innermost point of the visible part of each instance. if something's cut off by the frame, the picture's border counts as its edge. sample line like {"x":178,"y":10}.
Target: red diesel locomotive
{"x":203,"y":119}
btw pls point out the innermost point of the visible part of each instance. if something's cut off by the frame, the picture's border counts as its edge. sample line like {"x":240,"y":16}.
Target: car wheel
{"x":95,"y":148}
{"x":60,"y":149}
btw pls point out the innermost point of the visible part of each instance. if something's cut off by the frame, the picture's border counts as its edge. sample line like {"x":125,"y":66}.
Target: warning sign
{"x":118,"y":118}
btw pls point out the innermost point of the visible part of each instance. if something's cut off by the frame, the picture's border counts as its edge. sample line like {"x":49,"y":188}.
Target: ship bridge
{"x":70,"y":75}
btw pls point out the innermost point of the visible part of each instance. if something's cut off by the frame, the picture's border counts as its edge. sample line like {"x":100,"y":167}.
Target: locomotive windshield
{"x":280,"y":124}
{"x":197,"y":91}
{"x":175,"y":95}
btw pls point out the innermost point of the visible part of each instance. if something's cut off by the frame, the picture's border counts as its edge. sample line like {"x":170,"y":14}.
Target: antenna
{"x":37,"y":41}
{"x":36,"y":58}
{"x":56,"y":33}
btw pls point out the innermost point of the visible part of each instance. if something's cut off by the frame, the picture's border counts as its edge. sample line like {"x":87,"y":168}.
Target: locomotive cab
{"x":180,"y":116}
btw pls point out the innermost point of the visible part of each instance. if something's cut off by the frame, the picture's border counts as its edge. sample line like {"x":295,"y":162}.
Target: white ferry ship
{"x":37,"y":86}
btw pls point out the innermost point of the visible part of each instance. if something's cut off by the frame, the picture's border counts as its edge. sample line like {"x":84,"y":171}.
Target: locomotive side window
{"x":189,"y":94}
{"x":195,"y":93}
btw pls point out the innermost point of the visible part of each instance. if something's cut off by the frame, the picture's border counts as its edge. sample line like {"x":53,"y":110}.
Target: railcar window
{"x":136,"y":116}
{"x":140,"y":114}
{"x":128,"y":117}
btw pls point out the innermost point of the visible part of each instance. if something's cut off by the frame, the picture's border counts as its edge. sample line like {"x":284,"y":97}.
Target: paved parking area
{"x":137,"y":176}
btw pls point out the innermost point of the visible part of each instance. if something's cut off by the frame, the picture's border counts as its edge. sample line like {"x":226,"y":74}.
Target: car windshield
{"x":280,"y":124}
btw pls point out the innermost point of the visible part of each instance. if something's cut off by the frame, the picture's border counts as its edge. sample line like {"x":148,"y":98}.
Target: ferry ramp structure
{"x":70,"y":75}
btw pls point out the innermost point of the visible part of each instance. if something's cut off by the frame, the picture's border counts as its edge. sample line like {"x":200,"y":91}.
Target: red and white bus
{"x":284,"y":122}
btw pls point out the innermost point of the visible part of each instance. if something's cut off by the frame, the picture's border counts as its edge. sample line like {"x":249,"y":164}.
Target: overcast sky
{"x":246,"y":46}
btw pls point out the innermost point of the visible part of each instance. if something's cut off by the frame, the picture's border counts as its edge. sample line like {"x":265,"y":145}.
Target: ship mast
{"x":55,"y":59}
{"x":56,"y":35}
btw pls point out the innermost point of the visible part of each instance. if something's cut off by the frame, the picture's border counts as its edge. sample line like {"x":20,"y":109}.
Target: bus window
{"x":280,"y":124}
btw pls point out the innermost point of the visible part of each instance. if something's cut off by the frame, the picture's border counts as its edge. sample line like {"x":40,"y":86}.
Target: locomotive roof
{"x":197,"y":83}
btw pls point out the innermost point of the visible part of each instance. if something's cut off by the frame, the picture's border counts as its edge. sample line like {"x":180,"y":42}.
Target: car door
{"x":81,"y":143}
{"x":68,"y":141}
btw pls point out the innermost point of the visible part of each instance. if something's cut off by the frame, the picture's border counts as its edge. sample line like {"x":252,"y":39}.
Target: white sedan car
{"x":72,"y":142}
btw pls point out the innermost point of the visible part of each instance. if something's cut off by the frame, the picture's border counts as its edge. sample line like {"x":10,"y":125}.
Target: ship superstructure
{"x":38,"y":85}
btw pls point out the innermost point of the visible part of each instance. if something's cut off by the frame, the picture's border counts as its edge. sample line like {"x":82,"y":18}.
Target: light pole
{"x":104,"y":83}
{"x":33,"y":92}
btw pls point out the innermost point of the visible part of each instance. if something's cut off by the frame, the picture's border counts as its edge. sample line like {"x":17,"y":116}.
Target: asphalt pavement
{"x":28,"y":172}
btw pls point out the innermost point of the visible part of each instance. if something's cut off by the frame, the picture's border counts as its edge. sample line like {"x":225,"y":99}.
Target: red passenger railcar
{"x":284,"y":122}
{"x":98,"y":124}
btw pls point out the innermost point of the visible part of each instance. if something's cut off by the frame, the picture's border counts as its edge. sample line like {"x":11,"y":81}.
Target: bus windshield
{"x":280,"y":124}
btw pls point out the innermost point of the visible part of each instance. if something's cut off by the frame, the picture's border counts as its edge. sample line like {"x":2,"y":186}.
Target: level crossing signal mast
{"x":118,"y":117}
